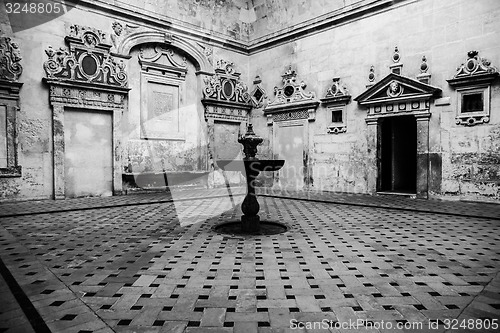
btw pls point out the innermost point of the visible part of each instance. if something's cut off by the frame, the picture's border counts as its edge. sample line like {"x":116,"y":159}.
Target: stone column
{"x":422,"y":155}
{"x":371,"y":161}
{"x":58,"y":149}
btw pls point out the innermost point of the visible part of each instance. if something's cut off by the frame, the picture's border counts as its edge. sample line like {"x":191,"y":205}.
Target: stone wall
{"x":463,"y":160}
{"x":34,"y":119}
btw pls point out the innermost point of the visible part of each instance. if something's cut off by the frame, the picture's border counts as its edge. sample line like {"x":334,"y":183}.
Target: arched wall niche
{"x":165,"y":130}
{"x":193,"y":52}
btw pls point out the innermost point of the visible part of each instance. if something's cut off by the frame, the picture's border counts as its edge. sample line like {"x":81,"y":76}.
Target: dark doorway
{"x":398,"y":155}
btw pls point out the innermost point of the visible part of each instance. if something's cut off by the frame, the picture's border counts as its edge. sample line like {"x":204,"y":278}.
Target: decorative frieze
{"x":225,"y":113}
{"x":90,"y":98}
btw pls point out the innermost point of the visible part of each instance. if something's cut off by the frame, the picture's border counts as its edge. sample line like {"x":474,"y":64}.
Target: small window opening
{"x":337,"y":116}
{"x":472,"y":102}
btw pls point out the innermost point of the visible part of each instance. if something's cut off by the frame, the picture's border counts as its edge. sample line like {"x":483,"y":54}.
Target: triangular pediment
{"x":396,"y":87}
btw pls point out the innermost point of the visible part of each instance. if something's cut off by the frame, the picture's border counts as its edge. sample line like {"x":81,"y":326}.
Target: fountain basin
{"x":250,"y":165}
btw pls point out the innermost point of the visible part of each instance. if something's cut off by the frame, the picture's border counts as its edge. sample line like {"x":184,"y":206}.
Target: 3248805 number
{"x":471,"y":324}
{"x":33,"y":8}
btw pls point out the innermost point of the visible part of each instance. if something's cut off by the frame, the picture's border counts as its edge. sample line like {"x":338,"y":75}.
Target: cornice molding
{"x":186,"y":30}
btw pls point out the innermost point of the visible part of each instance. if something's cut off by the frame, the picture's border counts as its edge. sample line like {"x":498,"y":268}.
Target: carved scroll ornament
{"x":10,"y":57}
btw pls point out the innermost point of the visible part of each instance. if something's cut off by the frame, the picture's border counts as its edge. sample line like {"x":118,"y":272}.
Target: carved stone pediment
{"x":291,"y":96}
{"x":395,"y":87}
{"x":475,"y":70}
{"x":336,"y":93}
{"x":225,"y":91}
{"x":396,"y":95}
{"x":86,"y":60}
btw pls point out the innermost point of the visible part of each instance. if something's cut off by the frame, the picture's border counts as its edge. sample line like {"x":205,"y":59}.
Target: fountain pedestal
{"x":251,"y":166}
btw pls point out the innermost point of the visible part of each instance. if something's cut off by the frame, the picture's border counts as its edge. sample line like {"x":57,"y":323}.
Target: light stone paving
{"x":137,"y":268}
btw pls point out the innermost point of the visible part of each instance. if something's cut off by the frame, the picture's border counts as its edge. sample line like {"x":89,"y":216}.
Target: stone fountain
{"x":251,"y":166}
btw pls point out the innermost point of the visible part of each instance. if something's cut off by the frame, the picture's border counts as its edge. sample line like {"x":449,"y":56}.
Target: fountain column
{"x":250,"y":219}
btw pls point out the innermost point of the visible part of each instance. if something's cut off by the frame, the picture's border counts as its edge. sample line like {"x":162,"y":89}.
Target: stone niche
{"x":86,"y":82}
{"x":10,"y":70}
{"x":163,"y":74}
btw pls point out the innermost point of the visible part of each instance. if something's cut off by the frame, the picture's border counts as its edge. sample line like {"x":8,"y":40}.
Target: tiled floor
{"x":109,"y":265}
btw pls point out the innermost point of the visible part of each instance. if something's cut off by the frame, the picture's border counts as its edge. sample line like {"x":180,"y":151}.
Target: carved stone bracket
{"x":86,"y":60}
{"x":10,"y":58}
{"x":225,"y":91}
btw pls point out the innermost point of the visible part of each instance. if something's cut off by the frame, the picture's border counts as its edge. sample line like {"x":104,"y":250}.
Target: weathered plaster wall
{"x":464,"y":161}
{"x":274,"y":16}
{"x":35,"y":115}
{"x":467,"y":158}
{"x":228,"y":18}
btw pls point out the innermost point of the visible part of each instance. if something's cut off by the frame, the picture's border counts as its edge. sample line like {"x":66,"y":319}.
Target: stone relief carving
{"x":474,"y":66}
{"x":209,"y":52}
{"x":337,"y":92}
{"x":157,"y":52}
{"x":424,"y":76}
{"x":225,"y":96}
{"x":10,"y":58}
{"x":397,"y":66}
{"x":292,"y":91}
{"x":86,"y":60}
{"x":226,"y":85}
{"x":258,"y":94}
{"x":395,"y":89}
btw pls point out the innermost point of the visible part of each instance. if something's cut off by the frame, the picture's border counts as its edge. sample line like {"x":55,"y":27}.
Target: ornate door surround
{"x":396,"y":95}
{"x":293,"y":106}
{"x":85,"y":76}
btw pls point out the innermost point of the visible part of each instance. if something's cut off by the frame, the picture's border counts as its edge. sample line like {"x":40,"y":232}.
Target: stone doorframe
{"x":85,"y":76}
{"x":84,"y":99}
{"x":396,"y":95}
{"x":374,"y":134}
{"x":225,"y":99}
{"x":293,"y":104}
